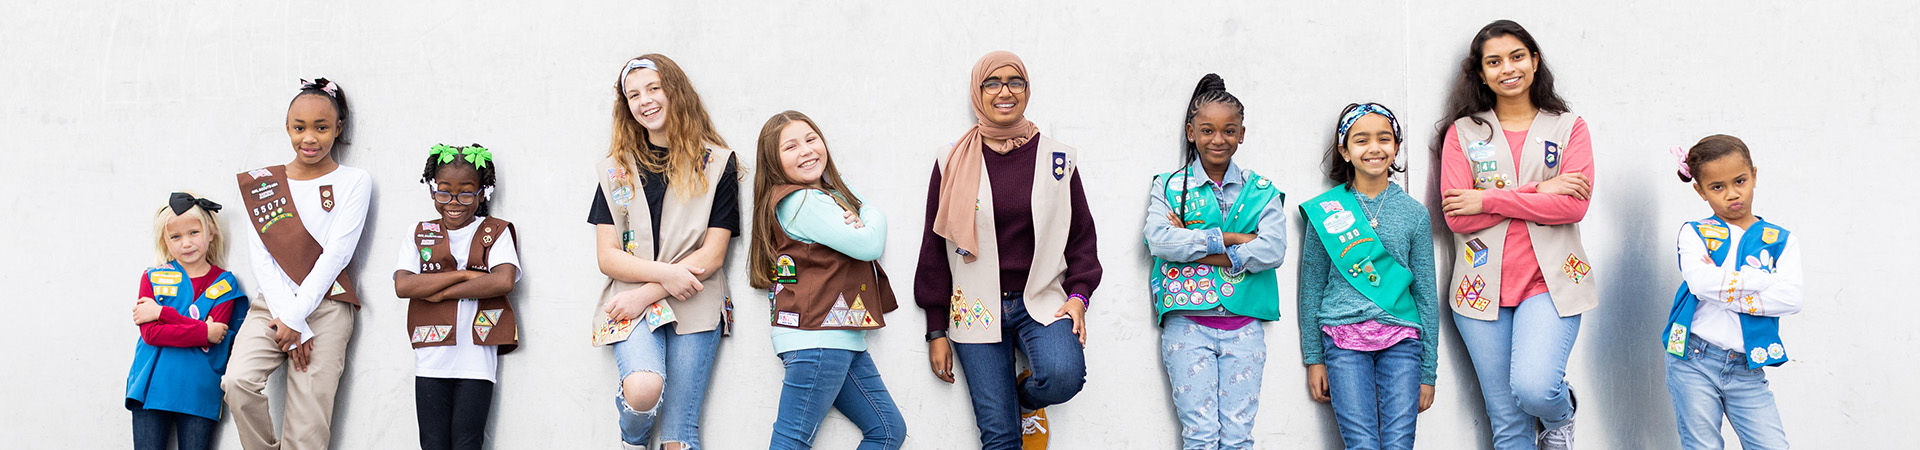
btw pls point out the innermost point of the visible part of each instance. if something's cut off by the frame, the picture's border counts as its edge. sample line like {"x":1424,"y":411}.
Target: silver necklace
{"x":1372,"y":219}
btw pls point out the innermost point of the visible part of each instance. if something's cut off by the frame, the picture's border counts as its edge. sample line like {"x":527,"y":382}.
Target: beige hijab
{"x":960,"y":181}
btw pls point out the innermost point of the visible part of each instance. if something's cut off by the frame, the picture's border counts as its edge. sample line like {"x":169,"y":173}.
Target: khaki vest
{"x":430,"y":324}
{"x":974,"y":309}
{"x":1563,"y":261}
{"x":818,"y":288}
{"x":271,"y":213}
{"x":683,"y":229}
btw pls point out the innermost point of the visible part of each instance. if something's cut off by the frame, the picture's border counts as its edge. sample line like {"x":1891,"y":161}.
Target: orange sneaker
{"x":1033,"y":430}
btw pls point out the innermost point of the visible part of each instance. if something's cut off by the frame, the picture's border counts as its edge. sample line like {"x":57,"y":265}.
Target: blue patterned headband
{"x":1355,"y":112}
{"x":636,"y":63}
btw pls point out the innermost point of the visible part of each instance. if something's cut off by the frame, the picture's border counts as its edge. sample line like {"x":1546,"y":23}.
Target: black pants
{"x":452,"y":411}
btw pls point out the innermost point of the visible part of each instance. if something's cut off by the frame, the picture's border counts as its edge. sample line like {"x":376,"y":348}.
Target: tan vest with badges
{"x":683,"y":229}
{"x":1563,"y":261}
{"x":271,"y":213}
{"x":974,"y":311}
{"x":431,"y":324}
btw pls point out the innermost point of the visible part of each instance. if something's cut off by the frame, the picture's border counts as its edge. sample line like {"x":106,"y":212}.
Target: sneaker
{"x":1560,"y":438}
{"x":1033,"y":430}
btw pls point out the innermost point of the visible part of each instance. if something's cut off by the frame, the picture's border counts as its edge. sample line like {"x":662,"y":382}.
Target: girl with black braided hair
{"x":1216,"y":232}
{"x":457,"y":271}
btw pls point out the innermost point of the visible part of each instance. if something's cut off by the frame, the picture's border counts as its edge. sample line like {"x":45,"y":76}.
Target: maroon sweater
{"x":1012,"y":178}
{"x":174,"y":329}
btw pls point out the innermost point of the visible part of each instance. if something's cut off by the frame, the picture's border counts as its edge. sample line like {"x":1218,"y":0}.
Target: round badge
{"x":1192,"y":286}
{"x":1167,"y":301}
{"x":1187,"y":271}
{"x":1180,"y":299}
{"x":1226,"y":289}
{"x":1776,"y":351}
{"x":1206,"y":284}
{"x":1173,"y":286}
{"x":1203,"y":270}
{"x":1213,"y":298}
{"x":1173,"y":272}
{"x":1758,"y":355}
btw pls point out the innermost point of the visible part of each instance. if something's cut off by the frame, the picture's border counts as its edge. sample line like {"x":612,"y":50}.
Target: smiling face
{"x":803,"y":154}
{"x":1004,"y":106}
{"x":1507,"y":66}
{"x":458,"y":182}
{"x":1370,"y":146}
{"x":1217,"y":132}
{"x":647,"y":100}
{"x":313,"y":125}
{"x":1726,"y":183}
{"x":187,"y":239}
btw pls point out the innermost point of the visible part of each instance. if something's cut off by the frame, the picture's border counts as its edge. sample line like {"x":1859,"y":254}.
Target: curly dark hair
{"x":487,"y":174}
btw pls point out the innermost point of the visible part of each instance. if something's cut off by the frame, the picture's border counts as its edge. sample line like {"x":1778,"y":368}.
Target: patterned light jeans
{"x":1216,"y":376}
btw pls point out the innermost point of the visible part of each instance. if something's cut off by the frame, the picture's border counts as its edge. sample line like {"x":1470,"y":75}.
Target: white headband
{"x":636,"y":63}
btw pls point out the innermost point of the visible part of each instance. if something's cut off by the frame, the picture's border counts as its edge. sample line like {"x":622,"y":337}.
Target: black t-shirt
{"x":726,"y":199}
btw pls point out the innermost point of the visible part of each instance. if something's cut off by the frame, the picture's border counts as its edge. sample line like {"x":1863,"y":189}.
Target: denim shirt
{"x":1178,"y":244}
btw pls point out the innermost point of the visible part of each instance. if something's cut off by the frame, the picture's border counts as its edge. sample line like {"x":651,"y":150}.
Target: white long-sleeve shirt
{"x":1764,"y":285}
{"x":338,"y":232}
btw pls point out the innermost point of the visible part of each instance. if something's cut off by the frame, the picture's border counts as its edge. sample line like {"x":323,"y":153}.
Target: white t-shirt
{"x":1775,"y":285}
{"x":463,"y":359}
{"x":337,"y":229}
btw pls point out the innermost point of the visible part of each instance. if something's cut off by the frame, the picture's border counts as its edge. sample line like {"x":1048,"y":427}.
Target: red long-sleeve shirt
{"x":1520,"y":275}
{"x":177,"y":330}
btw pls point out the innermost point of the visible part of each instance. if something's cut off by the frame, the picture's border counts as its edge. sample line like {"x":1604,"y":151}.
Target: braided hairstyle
{"x":1211,"y":90}
{"x":335,"y":95}
{"x":486,"y":175}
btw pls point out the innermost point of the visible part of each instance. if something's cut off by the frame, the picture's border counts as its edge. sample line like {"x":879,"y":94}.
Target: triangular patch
{"x":482,"y":330}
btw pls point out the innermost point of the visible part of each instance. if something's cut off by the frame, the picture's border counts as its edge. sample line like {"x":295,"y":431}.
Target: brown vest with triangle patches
{"x":1563,"y":261}
{"x":430,"y":324}
{"x":818,"y":288}
{"x":271,"y":213}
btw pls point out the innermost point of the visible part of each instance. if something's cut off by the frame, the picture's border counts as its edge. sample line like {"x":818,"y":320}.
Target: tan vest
{"x":683,"y":228}
{"x":1563,"y":261}
{"x":430,"y":324}
{"x":974,"y":310}
{"x":819,"y":288}
{"x":271,"y":213}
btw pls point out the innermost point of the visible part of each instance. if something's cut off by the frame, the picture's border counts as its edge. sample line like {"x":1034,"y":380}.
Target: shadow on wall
{"x":1453,"y":352}
{"x":1627,"y":369}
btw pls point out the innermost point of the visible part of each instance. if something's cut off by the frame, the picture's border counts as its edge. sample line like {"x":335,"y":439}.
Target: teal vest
{"x":1357,"y":253}
{"x":1189,"y":286}
{"x":178,"y":379}
{"x":1759,"y":335}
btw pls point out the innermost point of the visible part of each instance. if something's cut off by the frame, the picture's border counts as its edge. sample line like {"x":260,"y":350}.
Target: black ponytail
{"x":1210,"y":90}
{"x":335,"y":95}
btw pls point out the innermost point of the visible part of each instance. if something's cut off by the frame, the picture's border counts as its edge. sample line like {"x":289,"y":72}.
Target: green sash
{"x":1178,"y":286}
{"x":1357,"y":252}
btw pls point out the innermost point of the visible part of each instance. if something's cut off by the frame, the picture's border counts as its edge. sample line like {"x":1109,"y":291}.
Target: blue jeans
{"x":151,"y":426}
{"x":685,"y":363}
{"x":1376,"y":395}
{"x":1713,"y":382}
{"x":1521,"y":362}
{"x":1058,"y":362}
{"x":820,"y":379}
{"x":1215,"y":375}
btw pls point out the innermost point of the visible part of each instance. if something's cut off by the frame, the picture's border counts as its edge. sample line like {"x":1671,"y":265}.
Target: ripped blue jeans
{"x":685,"y":362}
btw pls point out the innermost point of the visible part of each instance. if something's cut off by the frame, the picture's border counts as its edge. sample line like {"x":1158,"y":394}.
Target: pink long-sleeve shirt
{"x":1520,"y":275}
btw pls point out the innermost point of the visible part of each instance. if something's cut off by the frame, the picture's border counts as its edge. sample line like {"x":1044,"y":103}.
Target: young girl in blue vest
{"x":1369,"y":308}
{"x":306,"y":218}
{"x":1739,"y":274}
{"x":188,"y":311}
{"x":457,"y":271}
{"x":665,"y":207}
{"x":1516,"y":168}
{"x":814,"y":249}
{"x":1216,"y":232}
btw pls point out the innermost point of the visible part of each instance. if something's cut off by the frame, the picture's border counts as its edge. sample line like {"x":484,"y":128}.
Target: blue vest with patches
{"x":1760,"y":336}
{"x":185,"y":380}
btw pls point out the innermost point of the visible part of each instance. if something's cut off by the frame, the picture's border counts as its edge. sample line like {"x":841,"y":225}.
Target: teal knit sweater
{"x":1326,"y":299}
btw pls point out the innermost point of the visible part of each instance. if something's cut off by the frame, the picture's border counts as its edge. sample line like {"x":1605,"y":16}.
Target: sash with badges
{"x":1191,"y":286}
{"x":1760,"y":335}
{"x":1357,"y":253}
{"x":270,"y":212}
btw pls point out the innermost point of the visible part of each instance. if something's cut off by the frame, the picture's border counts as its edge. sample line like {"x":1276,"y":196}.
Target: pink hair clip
{"x":1680,"y":158}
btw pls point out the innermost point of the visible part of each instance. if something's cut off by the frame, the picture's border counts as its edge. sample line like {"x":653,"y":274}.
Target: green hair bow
{"x":445,"y":153}
{"x":478,"y":156}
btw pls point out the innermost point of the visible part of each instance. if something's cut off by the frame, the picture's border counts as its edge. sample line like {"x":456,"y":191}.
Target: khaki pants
{"x":309,"y":404}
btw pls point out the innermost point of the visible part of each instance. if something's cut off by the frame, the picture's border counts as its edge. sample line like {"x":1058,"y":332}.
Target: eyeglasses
{"x":1016,"y":85}
{"x":444,"y":197}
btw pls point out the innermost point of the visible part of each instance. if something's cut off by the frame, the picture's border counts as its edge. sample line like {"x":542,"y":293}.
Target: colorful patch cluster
{"x":484,"y":321}
{"x":1471,"y":293}
{"x":1575,"y":268}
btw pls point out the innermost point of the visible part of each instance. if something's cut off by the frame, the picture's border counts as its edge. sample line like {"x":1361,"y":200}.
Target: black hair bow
{"x":181,"y":202}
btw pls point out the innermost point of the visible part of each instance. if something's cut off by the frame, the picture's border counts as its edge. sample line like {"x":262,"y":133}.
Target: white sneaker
{"x":1560,"y":438}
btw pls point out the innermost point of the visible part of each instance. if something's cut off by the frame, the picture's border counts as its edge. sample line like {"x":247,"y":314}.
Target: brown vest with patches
{"x":271,"y":213}
{"x":431,"y":324}
{"x":1563,"y":261}
{"x":818,"y":288}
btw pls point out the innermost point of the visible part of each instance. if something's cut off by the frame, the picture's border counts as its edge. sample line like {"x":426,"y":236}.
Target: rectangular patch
{"x":1059,"y":165}
{"x":1330,"y":206}
{"x":259,"y":173}
{"x":1485,"y":166}
{"x":788,"y":318}
{"x":219,"y":289}
{"x":166,"y":290}
{"x":1770,"y":236}
{"x":164,"y":277}
{"x":1553,"y":154}
{"x":326,"y":198}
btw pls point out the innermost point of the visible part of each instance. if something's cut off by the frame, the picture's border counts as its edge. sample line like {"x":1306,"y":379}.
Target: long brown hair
{"x":1470,"y":94}
{"x":689,"y":132}
{"x":760,"y":253}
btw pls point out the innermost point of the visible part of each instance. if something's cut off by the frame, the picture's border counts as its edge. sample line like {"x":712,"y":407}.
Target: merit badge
{"x":617,"y":173}
{"x":1770,"y":236}
{"x":1480,"y":151}
{"x":1203,"y":270}
{"x":426,"y":254}
{"x":622,"y":195}
{"x":1180,"y":299}
{"x":1471,"y":293}
{"x":1553,"y":154}
{"x":1498,"y":180}
{"x":1166,"y":301}
{"x":1365,"y":269}
{"x":1477,"y":252}
{"x":326,"y":198}
{"x":1758,"y":355}
{"x":1677,"y":340}
{"x":783,"y":270}
{"x":1775,"y":351}
{"x":1192,"y":286}
{"x":420,"y":333}
{"x":1059,"y":165}
{"x":1226,"y":290}
{"x":1338,"y":222}
{"x":194,"y":312}
{"x":1575,"y":268}
{"x":219,"y":289}
{"x":1186,"y":272}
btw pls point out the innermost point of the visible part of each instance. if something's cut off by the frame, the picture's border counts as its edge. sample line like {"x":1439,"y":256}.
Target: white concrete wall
{"x":107,"y":106}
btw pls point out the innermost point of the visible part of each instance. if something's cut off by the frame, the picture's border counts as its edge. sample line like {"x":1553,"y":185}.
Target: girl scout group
{"x":1007,"y":266}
